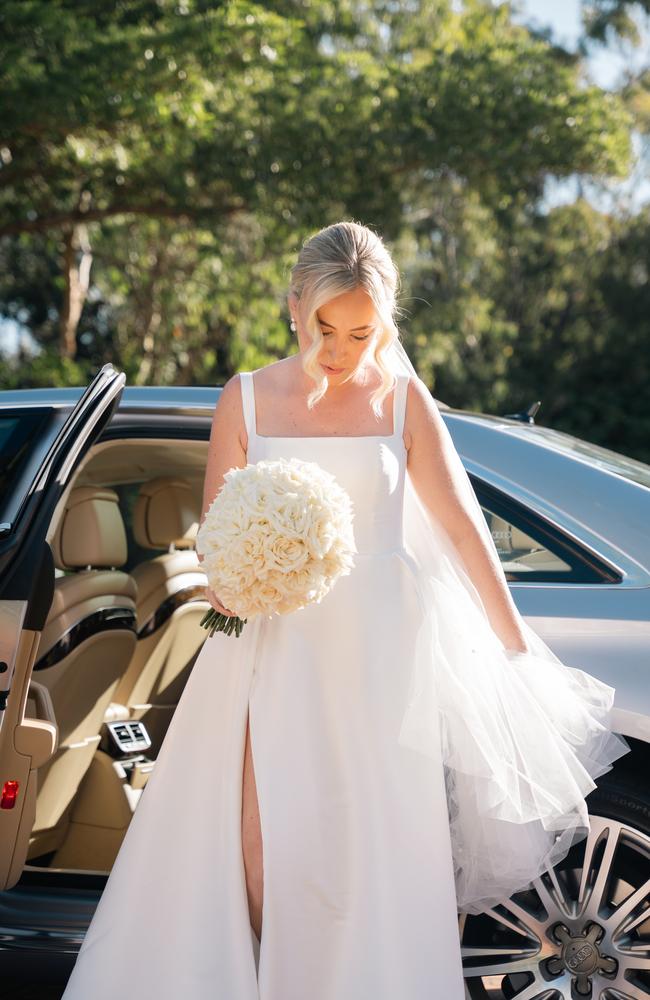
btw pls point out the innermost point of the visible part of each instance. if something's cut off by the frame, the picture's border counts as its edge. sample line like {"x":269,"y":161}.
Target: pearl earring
{"x":293,"y":324}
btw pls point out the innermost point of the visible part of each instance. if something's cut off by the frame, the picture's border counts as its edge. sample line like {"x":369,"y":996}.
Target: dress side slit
{"x":252,"y":847}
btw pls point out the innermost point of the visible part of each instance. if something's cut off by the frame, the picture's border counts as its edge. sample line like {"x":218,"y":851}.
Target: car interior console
{"x":127,"y":737}
{"x":127,"y":742}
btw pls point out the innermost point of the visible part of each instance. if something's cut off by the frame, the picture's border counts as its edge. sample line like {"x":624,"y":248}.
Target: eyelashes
{"x":326,"y":333}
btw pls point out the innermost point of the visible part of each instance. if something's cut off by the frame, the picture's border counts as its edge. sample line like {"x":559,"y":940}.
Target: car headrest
{"x":91,"y":531}
{"x":167,"y":511}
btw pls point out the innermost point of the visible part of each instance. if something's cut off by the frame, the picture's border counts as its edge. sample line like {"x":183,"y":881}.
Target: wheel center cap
{"x":580,"y":957}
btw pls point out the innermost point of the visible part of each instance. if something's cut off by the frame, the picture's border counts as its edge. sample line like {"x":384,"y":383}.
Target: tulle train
{"x":523,"y":735}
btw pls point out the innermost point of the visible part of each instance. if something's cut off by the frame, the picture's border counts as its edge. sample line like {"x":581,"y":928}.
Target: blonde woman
{"x":337,"y":784}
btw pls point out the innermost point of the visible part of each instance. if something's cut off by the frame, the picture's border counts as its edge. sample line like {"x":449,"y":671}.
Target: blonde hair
{"x":338,"y":259}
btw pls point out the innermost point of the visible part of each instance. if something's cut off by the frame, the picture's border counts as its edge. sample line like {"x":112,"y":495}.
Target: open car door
{"x":26,"y":591}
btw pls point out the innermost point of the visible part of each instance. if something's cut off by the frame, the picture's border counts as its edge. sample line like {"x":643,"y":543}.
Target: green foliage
{"x":575,"y":292}
{"x":198,"y":112}
{"x":182,"y":150}
{"x":136,"y":109}
{"x":48,"y":370}
{"x":189,"y":304}
{"x":602,"y":18}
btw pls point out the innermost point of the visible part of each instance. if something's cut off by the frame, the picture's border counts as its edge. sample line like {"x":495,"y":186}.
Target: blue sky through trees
{"x":605,"y":66}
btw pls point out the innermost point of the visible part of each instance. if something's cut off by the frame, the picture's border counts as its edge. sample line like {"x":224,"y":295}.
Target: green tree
{"x":199,"y":116}
{"x":603,"y":18}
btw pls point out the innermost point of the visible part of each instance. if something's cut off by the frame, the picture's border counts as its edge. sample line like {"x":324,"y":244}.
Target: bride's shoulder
{"x":418,"y":389}
{"x":230,"y":394}
{"x":272,"y":382}
{"x":281,"y":368}
{"x":278,"y":378}
{"x":417,"y":394}
{"x":422,"y":413}
{"x":265,"y":375}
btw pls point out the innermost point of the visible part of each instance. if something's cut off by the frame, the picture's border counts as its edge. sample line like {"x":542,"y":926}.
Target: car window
{"x":532,"y":549}
{"x":519,"y":552}
{"x":23,"y":442}
{"x":128,"y":494}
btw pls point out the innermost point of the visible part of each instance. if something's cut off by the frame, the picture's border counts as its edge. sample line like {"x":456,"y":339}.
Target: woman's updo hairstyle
{"x":338,"y":259}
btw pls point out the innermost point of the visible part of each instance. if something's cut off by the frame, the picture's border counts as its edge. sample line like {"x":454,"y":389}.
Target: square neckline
{"x":323,"y":437}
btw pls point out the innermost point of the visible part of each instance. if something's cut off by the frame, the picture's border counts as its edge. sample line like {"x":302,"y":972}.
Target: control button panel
{"x":129,"y":737}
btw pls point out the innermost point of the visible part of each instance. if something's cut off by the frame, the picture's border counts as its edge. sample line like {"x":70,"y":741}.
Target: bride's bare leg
{"x":251,"y":835}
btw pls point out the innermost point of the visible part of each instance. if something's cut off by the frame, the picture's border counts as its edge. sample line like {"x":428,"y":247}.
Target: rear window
{"x":24,"y":437}
{"x":128,"y":494}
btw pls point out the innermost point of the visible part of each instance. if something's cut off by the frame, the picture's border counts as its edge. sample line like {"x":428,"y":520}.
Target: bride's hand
{"x":216,"y":603}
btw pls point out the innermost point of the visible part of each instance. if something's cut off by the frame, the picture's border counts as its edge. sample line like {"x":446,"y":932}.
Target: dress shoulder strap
{"x":399,"y":403}
{"x":248,"y":402}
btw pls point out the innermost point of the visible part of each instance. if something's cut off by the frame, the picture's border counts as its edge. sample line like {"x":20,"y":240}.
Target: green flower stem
{"x":215,"y":621}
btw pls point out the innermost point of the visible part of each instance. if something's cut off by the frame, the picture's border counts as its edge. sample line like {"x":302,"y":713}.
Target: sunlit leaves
{"x":199,"y":143}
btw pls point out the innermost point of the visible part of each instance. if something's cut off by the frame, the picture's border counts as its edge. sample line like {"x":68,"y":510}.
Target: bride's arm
{"x":228,"y":441}
{"x":227,"y":449}
{"x":432,"y":464}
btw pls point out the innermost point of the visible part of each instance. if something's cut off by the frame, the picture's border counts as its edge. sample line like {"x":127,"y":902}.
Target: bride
{"x":356,"y":773}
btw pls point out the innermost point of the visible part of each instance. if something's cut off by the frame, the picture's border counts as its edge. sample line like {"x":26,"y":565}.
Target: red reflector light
{"x":9,"y":794}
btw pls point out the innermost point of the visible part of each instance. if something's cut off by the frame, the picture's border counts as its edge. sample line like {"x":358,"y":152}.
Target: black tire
{"x":623,"y":796}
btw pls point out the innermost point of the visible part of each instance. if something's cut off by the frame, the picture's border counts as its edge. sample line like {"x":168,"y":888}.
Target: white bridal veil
{"x":523,"y":735}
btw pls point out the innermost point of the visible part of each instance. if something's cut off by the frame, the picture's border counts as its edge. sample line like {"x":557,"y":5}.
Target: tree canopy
{"x":161,"y":161}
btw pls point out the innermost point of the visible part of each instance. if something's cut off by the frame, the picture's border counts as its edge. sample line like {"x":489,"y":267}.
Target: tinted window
{"x":520,"y":553}
{"x":22,"y":436}
{"x":534,"y":550}
{"x":128,"y":495}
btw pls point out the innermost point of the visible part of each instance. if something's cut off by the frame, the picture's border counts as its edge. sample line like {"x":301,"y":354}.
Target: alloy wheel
{"x":581,"y":932}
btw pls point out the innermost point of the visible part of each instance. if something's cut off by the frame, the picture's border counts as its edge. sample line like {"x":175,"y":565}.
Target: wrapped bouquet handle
{"x":216,"y":621}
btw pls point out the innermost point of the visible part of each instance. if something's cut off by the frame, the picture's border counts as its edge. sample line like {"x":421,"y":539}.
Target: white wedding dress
{"x":360,"y":886}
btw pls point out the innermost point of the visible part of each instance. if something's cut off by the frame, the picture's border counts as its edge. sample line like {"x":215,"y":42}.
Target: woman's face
{"x":349,"y":326}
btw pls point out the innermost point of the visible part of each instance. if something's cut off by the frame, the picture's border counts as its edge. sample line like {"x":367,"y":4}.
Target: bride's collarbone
{"x":295,"y":423}
{"x":280,"y":413}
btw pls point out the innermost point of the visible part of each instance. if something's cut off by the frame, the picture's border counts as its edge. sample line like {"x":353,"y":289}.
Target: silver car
{"x":101,"y":594}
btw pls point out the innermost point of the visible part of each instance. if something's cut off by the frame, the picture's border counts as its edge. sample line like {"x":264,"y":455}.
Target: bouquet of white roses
{"x":276,"y":537}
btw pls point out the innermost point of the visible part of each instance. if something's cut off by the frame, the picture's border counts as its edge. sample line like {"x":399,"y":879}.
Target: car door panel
{"x":26,"y":590}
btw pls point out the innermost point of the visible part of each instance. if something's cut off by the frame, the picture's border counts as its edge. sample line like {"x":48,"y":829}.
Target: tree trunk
{"x":150,"y":324}
{"x":77,"y":281}
{"x":145,"y":369}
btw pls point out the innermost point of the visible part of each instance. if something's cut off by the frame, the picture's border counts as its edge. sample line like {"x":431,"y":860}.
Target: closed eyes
{"x":326,"y":333}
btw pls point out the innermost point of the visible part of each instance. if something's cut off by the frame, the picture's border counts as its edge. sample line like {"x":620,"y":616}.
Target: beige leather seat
{"x":85,"y":647}
{"x":171,"y":603}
